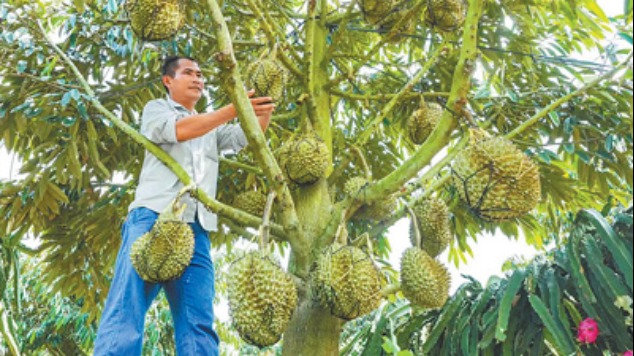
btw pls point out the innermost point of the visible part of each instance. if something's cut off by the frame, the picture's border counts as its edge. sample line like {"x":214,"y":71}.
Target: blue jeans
{"x":190,"y":298}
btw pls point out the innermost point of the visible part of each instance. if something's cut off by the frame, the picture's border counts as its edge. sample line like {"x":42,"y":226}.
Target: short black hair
{"x":170,"y":65}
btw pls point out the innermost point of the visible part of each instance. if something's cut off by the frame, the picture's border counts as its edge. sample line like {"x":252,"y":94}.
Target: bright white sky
{"x":489,"y":253}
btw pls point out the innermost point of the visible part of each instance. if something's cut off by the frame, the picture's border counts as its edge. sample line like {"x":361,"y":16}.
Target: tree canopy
{"x":74,"y":78}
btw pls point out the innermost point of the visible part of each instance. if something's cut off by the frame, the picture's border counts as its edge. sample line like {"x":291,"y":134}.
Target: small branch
{"x":341,"y":29}
{"x":265,"y":227}
{"x":286,"y":116}
{"x":241,"y":165}
{"x":384,"y":97}
{"x":418,"y":238}
{"x":385,"y":111}
{"x":390,"y":289}
{"x":364,"y":163}
{"x":545,"y":111}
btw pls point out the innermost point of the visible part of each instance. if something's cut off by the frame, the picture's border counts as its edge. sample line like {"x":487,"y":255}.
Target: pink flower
{"x":628,"y":353}
{"x":588,"y":331}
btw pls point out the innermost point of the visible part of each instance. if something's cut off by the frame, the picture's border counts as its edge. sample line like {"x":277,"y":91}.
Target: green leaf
{"x":65,"y":99}
{"x":559,"y":336}
{"x":504,"y":309}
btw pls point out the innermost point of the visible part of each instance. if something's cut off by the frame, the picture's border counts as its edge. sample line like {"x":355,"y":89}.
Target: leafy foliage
{"x":535,"y":309}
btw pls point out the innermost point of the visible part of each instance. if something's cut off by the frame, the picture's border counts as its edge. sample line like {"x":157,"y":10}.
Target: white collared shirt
{"x":158,"y":185}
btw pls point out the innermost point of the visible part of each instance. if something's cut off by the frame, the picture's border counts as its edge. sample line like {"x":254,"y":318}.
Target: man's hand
{"x":263,"y":107}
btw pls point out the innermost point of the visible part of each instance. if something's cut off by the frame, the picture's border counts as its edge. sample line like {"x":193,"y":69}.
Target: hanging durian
{"x":155,"y":20}
{"x":495,"y":178}
{"x":252,"y":202}
{"x":446,"y":15}
{"x":267,"y":76}
{"x":423,"y":121}
{"x":353,"y":186}
{"x":432,"y":217}
{"x":163,"y":253}
{"x":424,"y":281}
{"x":347,"y":282}
{"x":376,"y":10}
{"x":304,"y":158}
{"x":262,"y":298}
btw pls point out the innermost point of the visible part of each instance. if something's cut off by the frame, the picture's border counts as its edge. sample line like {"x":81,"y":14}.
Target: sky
{"x":489,"y":252}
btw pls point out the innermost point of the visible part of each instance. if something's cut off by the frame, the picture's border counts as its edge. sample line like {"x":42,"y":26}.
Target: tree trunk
{"x":312,"y":331}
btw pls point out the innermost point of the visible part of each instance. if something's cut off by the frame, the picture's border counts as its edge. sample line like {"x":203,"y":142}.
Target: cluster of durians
{"x":445,"y":15}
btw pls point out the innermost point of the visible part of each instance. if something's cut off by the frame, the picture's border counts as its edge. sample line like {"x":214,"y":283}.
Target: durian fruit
{"x":262,"y":298}
{"x":379,"y":210}
{"x":304,"y":159}
{"x":424,"y":281}
{"x":347,"y":282}
{"x":155,"y":20}
{"x":391,"y":19}
{"x":163,"y":253}
{"x":353,"y":185}
{"x":432,"y":216}
{"x":252,"y":202}
{"x":376,"y":10}
{"x":495,"y":178}
{"x":268,"y":77}
{"x":446,"y":15}
{"x":423,"y":121}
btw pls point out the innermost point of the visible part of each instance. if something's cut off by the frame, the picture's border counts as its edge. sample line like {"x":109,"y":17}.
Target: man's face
{"x":187,"y":83}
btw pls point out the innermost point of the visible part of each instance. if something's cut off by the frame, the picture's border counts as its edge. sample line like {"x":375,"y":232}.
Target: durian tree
{"x":383,"y":109}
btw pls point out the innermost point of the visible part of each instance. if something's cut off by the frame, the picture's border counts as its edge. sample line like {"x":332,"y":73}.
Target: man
{"x":193,"y":140}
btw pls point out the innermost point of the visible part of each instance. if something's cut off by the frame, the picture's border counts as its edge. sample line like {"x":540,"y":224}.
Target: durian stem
{"x":417,"y":237}
{"x":265,"y":227}
{"x":342,"y":232}
{"x":385,"y":111}
{"x":545,"y":111}
{"x":363,"y":161}
{"x":391,"y":289}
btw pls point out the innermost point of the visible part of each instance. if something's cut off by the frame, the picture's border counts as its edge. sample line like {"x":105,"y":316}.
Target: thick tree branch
{"x":232,"y":83}
{"x":457,"y":100}
{"x":181,"y":174}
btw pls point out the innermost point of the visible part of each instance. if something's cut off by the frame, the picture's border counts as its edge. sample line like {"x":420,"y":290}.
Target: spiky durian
{"x":446,"y":15}
{"x":304,"y":159}
{"x":378,"y":210}
{"x":155,"y":20}
{"x":347,"y":282}
{"x":262,"y":298}
{"x":354,"y":185}
{"x":163,"y":253}
{"x":433,"y":222}
{"x":423,"y":121}
{"x":268,"y":77}
{"x":495,"y":178}
{"x":376,"y":10}
{"x":253,"y":202}
{"x":424,"y":281}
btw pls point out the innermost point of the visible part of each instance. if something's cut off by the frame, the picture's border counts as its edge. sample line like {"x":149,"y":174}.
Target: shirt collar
{"x":178,"y":106}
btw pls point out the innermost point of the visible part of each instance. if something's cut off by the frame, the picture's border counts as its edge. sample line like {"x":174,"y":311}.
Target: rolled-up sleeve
{"x":158,"y":122}
{"x":231,"y":137}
